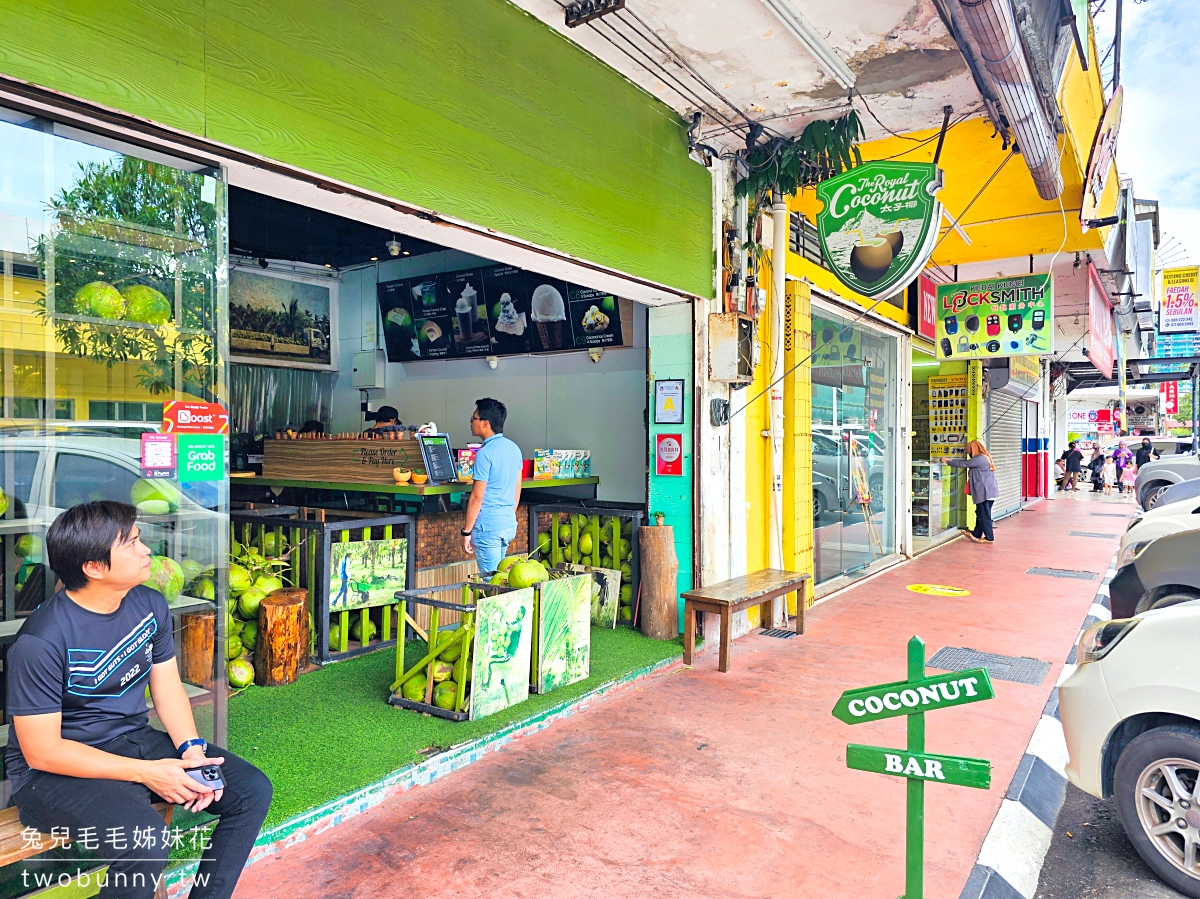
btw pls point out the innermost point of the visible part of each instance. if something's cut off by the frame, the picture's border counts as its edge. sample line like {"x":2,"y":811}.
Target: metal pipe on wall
{"x":995,"y":29}
{"x":779,"y":251}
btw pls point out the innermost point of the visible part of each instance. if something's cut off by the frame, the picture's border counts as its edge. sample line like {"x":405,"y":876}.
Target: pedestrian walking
{"x":1096,"y":467}
{"x":1109,"y":476}
{"x":1145,"y":453}
{"x":1073,"y":460}
{"x":982,"y":486}
{"x":1122,"y":458}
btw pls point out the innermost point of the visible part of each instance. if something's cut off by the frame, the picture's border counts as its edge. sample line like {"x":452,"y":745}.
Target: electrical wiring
{"x":878,"y":122}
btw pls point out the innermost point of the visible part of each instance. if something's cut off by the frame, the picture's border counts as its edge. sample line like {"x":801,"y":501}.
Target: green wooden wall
{"x":471,"y":108}
{"x":671,"y":357}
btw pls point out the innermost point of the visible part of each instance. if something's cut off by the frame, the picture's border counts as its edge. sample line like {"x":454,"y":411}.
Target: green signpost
{"x":914,"y":697}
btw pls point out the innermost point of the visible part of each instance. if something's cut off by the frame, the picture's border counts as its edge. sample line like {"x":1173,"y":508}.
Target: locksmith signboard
{"x":997,"y":317}
{"x":879,"y":224}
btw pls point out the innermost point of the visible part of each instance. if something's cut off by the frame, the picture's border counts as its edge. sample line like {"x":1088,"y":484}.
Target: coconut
{"x":99,"y":299}
{"x":442,"y":671}
{"x":356,"y":630}
{"x":413,"y":689}
{"x":154,"y":507}
{"x":626,"y":597}
{"x":146,"y":305}
{"x":500,"y":578}
{"x":166,"y":577}
{"x":625,"y":613}
{"x":241,"y":673}
{"x":445,"y":695}
{"x":249,"y":602}
{"x":250,"y":634}
{"x":564,"y":534}
{"x":451,"y":652}
{"x":268,"y":584}
{"x":585,"y":544}
{"x":3,"y":503}
{"x":508,"y":562}
{"x":203,"y":588}
{"x":233,"y":647}
{"x":270,"y":544}
{"x":870,"y":260}
{"x":28,"y":545}
{"x":157,"y":489}
{"x":626,"y":570}
{"x":526,"y":574}
{"x":335,"y":637}
{"x":543,"y":542}
{"x":239,"y":580}
{"x":895,"y":240}
{"x":191,"y":569}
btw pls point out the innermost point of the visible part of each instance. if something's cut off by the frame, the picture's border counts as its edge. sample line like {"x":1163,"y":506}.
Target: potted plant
{"x":658,"y":518}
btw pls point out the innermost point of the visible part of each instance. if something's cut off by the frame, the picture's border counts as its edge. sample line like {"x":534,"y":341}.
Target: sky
{"x":1160,"y":125}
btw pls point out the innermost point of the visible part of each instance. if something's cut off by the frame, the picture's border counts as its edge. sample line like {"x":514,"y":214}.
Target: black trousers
{"x":115,"y":819}
{"x":983,"y":520}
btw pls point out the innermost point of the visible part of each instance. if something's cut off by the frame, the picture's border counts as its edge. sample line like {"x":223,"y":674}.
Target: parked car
{"x":1155,"y":477}
{"x":1163,"y":519}
{"x":1131,"y":716}
{"x":1166,"y":446}
{"x":1165,"y":572}
{"x":1177,"y":493}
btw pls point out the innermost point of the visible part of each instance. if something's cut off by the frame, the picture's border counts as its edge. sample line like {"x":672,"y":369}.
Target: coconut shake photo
{"x":465,"y":312}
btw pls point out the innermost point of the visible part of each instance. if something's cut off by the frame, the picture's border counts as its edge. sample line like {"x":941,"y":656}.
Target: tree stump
{"x":282,"y":646}
{"x":196,"y":645}
{"x":659,"y":612}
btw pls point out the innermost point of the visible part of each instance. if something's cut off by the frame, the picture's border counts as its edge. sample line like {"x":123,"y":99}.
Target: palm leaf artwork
{"x":565,"y":644}
{"x":824,"y":149}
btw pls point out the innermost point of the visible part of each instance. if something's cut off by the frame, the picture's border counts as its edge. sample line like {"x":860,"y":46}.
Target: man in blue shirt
{"x":491,"y":521}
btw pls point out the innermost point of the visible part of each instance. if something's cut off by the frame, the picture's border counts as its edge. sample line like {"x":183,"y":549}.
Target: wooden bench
{"x":14,"y":847}
{"x":760,"y":589}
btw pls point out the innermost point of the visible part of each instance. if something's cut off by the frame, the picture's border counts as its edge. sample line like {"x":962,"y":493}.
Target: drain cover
{"x":779,"y":632}
{"x":1090,"y":534}
{"x":1064,"y":572}
{"x":1010,"y":668}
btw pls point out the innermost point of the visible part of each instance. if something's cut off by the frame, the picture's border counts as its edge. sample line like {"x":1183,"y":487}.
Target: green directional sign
{"x":948,"y":769}
{"x":909,"y":697}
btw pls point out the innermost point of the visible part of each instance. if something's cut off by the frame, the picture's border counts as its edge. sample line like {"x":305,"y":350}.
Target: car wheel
{"x":1145,"y":604}
{"x":818,"y":505}
{"x":1156,"y":793}
{"x":876,"y":485}
{"x":1152,"y":493}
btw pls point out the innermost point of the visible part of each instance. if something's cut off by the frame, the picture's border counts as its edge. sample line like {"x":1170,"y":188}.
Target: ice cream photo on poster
{"x":548,"y":311}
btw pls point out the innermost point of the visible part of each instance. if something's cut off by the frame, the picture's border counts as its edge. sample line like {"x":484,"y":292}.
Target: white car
{"x":1131,"y":716}
{"x":1157,"y":522}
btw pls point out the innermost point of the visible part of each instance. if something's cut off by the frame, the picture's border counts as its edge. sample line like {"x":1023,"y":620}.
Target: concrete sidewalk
{"x":703,"y":784}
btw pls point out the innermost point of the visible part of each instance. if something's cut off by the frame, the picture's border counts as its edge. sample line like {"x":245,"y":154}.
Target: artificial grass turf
{"x":333,"y":732}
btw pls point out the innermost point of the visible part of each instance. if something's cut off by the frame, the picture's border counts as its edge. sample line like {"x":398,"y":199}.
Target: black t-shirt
{"x":90,"y":667}
{"x":1144,"y":454}
{"x":1074,"y":460}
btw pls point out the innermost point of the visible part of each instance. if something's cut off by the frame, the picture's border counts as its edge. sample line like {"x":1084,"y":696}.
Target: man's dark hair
{"x":312,"y":426}
{"x":384,"y":414}
{"x":493,"y":412}
{"x":1071,"y":445}
{"x":86,"y":533}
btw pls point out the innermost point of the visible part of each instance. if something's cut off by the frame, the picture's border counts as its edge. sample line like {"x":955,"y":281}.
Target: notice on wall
{"x":668,"y":402}
{"x":1179,"y":311}
{"x":158,"y":456}
{"x":495,"y":310}
{"x":948,"y":416}
{"x":668,"y":454}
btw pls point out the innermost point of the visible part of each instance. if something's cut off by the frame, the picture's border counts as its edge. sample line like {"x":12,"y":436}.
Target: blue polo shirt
{"x":498,"y":463}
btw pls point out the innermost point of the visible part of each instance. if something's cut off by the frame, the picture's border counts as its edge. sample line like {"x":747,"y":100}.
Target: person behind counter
{"x":386,"y":419}
{"x":491,"y":521}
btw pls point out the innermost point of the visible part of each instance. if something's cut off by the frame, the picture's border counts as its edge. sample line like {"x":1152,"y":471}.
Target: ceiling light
{"x":405,"y":253}
{"x":816,"y":45}
{"x":393,"y":246}
{"x":327,"y":265}
{"x":374,"y":258}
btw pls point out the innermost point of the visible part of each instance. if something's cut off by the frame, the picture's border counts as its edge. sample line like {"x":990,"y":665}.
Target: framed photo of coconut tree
{"x":285,"y":318}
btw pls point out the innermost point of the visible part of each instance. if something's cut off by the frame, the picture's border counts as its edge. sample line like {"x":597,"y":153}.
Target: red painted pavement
{"x":703,"y":784}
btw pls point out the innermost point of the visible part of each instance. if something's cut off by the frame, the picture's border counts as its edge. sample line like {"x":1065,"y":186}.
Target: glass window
{"x":854,"y":425}
{"x":113,"y":300}
{"x":80,"y":478}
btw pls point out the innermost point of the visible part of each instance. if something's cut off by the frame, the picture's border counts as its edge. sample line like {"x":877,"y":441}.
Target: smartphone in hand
{"x":208,"y":775}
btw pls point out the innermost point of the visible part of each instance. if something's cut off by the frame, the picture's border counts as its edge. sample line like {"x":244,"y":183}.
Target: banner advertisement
{"x":1179,"y":310}
{"x":927,"y":308}
{"x":1087,"y":420}
{"x":1170,"y":392}
{"x":879,"y":224}
{"x":996,"y":317}
{"x":1142,"y":416}
{"x":1100,"y":325}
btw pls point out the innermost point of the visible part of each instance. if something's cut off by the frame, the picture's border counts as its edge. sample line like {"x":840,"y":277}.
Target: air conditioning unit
{"x":730,"y":348}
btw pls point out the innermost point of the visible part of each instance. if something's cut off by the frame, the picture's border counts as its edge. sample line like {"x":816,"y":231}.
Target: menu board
{"x":495,"y":310}
{"x":439,"y":463}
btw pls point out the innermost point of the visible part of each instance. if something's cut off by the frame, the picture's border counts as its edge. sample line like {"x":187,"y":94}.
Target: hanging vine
{"x":824,"y":149}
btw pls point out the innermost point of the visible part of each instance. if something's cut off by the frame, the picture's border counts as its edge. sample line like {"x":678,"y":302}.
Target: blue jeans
{"x":490,"y":544}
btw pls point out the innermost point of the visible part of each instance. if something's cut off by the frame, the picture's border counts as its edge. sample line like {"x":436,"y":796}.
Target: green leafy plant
{"x":784,"y":165}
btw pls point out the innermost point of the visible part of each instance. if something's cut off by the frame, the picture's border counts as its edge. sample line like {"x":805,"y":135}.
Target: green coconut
{"x":270,"y":544}
{"x":250,"y":634}
{"x":625,"y":613}
{"x":445,"y":695}
{"x":166,"y":577}
{"x":239,"y":580}
{"x":442,"y":671}
{"x":268,"y":584}
{"x":203,"y":588}
{"x":543,"y":542}
{"x":508,"y":562}
{"x":526,"y":574}
{"x":564,"y":534}
{"x":413,"y":689}
{"x":626,"y":597}
{"x":249,"y":602}
{"x":241,"y":673}
{"x":146,"y":305}
{"x":233,"y":647}
{"x":155,"y":490}
{"x":99,"y":299}
{"x":191,"y":569}
{"x":356,"y":630}
{"x":335,"y":637}
{"x":3,"y":503}
{"x":28,"y":545}
{"x":626,"y":570}
{"x":451,"y":652}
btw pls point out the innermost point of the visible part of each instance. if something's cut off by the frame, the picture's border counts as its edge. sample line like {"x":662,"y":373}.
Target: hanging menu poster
{"x":594,"y":318}
{"x":498,"y":310}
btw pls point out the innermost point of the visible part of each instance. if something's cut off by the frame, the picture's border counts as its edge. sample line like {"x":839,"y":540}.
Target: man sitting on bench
{"x":82,"y":757}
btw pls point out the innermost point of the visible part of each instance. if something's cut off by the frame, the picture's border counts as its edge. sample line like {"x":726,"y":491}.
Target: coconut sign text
{"x":914,"y":697}
{"x":879,"y":224}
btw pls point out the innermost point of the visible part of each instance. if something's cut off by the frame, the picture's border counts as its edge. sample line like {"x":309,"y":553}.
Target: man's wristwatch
{"x":188,"y":744}
{"x":466,"y":533}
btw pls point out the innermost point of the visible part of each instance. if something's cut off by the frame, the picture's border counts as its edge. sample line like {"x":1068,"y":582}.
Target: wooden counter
{"x":405,"y":489}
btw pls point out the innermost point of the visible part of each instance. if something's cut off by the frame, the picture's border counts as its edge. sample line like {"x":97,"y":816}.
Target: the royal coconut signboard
{"x":879,"y":224}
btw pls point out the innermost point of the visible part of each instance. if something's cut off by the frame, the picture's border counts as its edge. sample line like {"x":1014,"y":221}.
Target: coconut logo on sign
{"x":877,"y":225}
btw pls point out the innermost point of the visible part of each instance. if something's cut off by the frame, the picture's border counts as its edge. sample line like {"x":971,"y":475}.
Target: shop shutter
{"x":1005,"y":427}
